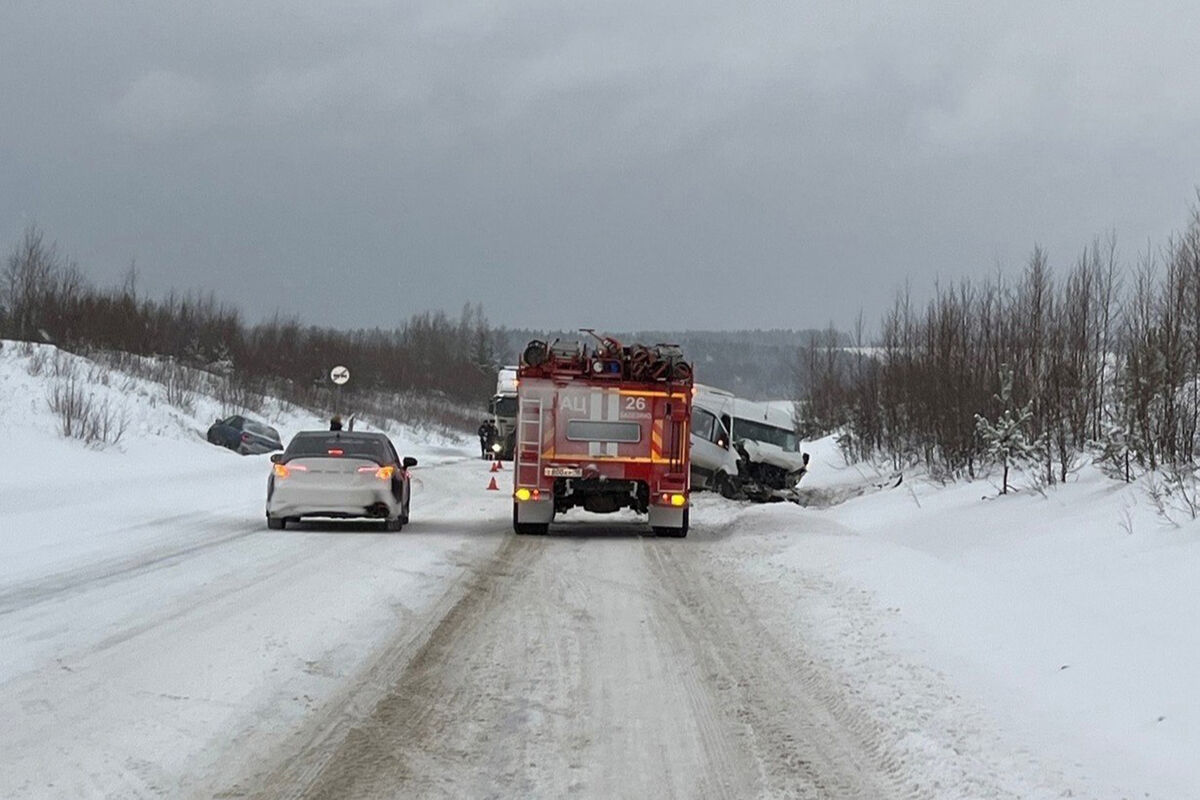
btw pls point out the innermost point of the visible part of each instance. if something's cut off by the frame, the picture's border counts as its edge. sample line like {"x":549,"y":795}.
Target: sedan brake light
{"x":283,"y":470}
{"x":383,"y":473}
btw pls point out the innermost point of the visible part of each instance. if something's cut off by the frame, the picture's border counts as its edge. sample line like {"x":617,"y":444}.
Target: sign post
{"x":339,"y":375}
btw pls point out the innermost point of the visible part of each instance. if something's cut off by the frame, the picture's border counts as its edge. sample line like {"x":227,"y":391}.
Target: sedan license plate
{"x":563,"y":472}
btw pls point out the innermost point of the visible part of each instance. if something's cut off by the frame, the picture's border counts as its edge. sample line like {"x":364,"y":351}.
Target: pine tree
{"x":1116,"y":449}
{"x":1007,"y":440}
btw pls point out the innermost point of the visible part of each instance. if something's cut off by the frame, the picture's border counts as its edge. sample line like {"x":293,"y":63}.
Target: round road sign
{"x":339,"y":375}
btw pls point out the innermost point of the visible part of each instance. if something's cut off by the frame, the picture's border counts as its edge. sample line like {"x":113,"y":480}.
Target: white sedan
{"x":339,"y":475}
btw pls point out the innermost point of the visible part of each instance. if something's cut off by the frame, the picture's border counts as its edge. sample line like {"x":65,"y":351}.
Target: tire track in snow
{"x":806,"y":741}
{"x":595,"y":666}
{"x":152,"y":555}
{"x":390,"y":706}
{"x":27,"y":594}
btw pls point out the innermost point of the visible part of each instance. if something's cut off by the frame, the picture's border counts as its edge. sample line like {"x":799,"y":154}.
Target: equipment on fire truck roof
{"x":608,"y":359}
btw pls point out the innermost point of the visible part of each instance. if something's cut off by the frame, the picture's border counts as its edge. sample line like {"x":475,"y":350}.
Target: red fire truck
{"x":602,"y":427}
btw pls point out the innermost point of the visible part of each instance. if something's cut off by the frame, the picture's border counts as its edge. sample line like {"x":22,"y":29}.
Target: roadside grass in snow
{"x":81,"y":414}
{"x":183,"y":385}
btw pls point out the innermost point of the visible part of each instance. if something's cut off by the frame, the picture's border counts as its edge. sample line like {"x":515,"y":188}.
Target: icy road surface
{"x":605,"y":664}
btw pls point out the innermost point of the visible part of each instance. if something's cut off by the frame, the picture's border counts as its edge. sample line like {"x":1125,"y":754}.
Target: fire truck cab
{"x":603,"y":428}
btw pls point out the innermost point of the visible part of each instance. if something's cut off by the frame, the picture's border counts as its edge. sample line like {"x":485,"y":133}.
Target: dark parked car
{"x":244,"y":436}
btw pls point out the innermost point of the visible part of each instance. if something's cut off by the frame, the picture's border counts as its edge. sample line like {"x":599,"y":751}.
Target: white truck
{"x":503,"y":408}
{"x":744,"y":449}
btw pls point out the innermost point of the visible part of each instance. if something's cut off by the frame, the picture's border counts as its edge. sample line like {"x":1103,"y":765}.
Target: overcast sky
{"x":594,"y":162}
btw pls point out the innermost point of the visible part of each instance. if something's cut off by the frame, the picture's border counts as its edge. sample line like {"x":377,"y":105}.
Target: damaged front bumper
{"x":767,"y":473}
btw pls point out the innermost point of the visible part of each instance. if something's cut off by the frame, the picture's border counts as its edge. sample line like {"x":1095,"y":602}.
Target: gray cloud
{"x":618,"y":164}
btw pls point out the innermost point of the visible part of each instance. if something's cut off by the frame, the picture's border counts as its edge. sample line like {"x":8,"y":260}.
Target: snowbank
{"x":1066,"y":625}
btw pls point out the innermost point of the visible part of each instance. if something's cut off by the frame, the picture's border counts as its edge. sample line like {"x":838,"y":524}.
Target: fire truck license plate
{"x":563,"y":472}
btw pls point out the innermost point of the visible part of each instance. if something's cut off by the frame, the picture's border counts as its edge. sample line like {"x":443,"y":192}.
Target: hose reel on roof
{"x":664,"y":362}
{"x":535,"y":353}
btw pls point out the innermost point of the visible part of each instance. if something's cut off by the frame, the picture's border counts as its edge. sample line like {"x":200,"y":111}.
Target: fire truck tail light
{"x":523,"y":494}
{"x":676,"y":500}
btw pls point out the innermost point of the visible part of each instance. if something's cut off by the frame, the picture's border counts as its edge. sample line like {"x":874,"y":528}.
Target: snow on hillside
{"x":30,"y":372}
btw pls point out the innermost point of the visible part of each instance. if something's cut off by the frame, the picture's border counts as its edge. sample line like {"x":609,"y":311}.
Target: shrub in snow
{"x":80,"y":415}
{"x":180,"y":386}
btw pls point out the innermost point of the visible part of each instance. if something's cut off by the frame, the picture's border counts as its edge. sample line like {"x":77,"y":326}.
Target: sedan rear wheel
{"x":276,"y":523}
{"x":394,"y":524}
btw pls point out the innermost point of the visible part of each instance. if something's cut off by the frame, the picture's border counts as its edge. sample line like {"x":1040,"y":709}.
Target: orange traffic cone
{"x":495,"y":467}
{"x":492,"y":487}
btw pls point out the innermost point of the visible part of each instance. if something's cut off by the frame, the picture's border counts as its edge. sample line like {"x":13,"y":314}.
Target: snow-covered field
{"x":918,"y":641}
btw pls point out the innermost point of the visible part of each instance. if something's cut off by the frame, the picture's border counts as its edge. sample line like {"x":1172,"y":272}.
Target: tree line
{"x":1103,"y":358}
{"x":45,"y":297}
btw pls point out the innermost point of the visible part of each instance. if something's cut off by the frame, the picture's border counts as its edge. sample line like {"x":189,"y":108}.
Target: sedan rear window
{"x":343,"y":446}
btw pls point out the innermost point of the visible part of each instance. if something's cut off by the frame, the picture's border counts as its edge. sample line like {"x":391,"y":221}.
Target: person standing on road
{"x":335,"y":424}
{"x":487,"y":435}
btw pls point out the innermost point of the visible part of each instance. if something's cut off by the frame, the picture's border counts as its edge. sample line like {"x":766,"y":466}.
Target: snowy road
{"x":157,"y":650}
{"x":157,"y":640}
{"x":150,"y":649}
{"x":598,"y":663}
